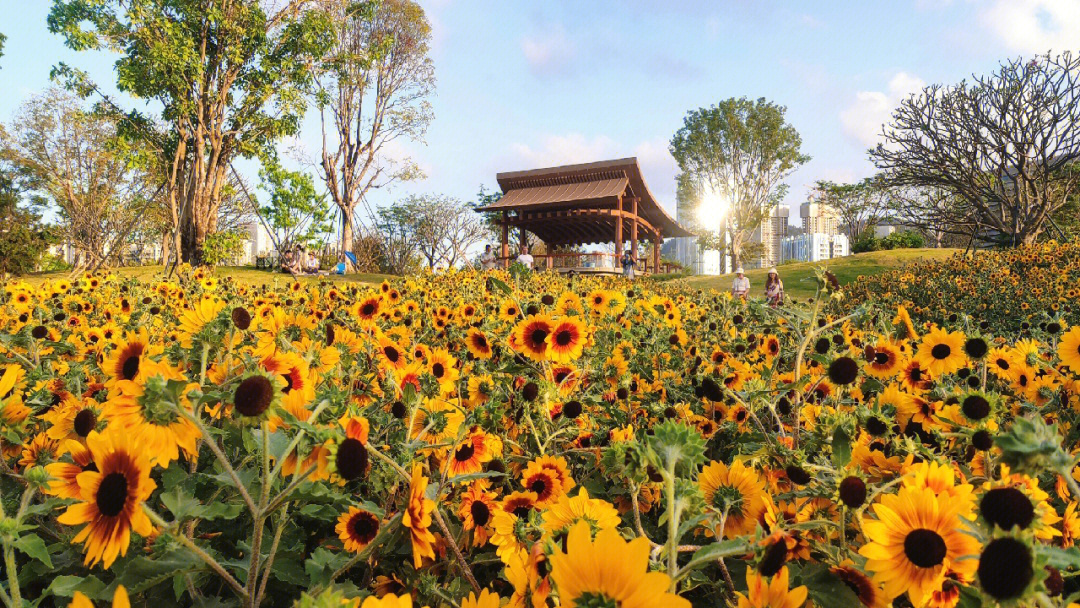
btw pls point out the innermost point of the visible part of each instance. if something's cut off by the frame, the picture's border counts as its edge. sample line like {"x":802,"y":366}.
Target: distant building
{"x":818,"y":218}
{"x":815,"y":247}
{"x":771,"y":235}
{"x":257,"y":243}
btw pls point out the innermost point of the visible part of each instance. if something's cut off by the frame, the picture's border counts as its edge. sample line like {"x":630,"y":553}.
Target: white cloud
{"x":811,"y":21}
{"x":548,"y":52}
{"x":555,"y":150}
{"x":863,"y":118}
{"x":1034,"y":26}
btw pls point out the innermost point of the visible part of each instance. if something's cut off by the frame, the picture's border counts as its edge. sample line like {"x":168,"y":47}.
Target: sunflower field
{"x":1009,"y":290}
{"x":479,"y":440}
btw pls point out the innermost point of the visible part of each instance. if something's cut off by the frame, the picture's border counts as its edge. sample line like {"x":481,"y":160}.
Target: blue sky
{"x":529,"y":84}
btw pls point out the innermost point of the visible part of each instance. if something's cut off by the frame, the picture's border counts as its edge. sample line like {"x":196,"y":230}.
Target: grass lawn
{"x":799,"y":281}
{"x":242,"y":274}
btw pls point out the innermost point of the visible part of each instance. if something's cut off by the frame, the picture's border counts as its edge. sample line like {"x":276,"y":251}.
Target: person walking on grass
{"x":740,"y":286}
{"x":774,"y":289}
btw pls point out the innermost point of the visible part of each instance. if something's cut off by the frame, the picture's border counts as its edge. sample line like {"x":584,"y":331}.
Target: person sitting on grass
{"x":311,"y":266}
{"x":740,"y":286}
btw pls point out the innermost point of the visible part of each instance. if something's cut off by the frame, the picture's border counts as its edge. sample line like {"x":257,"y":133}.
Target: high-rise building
{"x":818,"y":217}
{"x":771,"y":235}
{"x":815,"y":247}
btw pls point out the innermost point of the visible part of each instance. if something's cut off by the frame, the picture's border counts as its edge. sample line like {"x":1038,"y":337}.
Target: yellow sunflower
{"x":486,"y":599}
{"x":761,"y":593}
{"x":914,"y":541}
{"x":120,"y":599}
{"x":417,"y":518}
{"x":738,"y":490}
{"x":1068,"y":349}
{"x":568,"y":511}
{"x":111,"y":498}
{"x":587,"y":575}
{"x":941,"y":352}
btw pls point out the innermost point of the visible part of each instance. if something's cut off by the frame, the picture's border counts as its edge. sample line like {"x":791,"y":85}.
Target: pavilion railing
{"x":585,"y":261}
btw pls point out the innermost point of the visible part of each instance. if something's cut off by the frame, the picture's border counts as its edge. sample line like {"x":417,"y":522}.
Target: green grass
{"x":242,"y":274}
{"x":799,"y":278}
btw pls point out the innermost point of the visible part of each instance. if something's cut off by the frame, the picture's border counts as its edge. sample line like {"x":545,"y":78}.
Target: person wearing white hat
{"x":774,"y":289}
{"x":740,"y":287}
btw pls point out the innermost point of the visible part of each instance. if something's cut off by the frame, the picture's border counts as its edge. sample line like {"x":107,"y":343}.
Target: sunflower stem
{"x":270,"y":556}
{"x":203,"y":555}
{"x":673,"y":525}
{"x":212,"y":444}
{"x":457,"y":550}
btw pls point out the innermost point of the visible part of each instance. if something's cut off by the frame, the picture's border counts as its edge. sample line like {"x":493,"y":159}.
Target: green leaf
{"x":500,"y":285}
{"x":322,"y":564}
{"x":1062,"y":559}
{"x":66,"y":586}
{"x":143,"y":572}
{"x":181,"y":505}
{"x":841,"y":447}
{"x":474,"y":476}
{"x":826,"y":589}
{"x":32,"y":545}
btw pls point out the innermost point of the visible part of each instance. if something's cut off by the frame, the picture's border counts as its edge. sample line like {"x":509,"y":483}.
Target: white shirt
{"x":740,"y":286}
{"x":487,"y":260}
{"x":525,"y":259}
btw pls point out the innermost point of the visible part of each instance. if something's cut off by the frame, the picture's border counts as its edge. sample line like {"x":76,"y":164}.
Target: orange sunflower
{"x":111,"y":498}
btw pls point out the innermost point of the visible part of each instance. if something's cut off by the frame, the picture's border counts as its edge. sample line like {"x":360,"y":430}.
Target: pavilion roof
{"x":581,"y":188}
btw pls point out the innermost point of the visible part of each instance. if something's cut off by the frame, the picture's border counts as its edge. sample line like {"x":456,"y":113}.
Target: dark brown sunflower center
{"x":367,"y":310}
{"x":925,"y":548}
{"x":253,"y":396}
{"x":392,"y":354}
{"x":538,"y":336}
{"x":916,"y":375}
{"x":85,"y":421}
{"x":112,"y":494}
{"x":438,"y":370}
{"x":288,"y":384}
{"x":480,"y":513}
{"x":976,"y":407}
{"x":364,"y":527}
{"x":881,"y":358}
{"x":464,"y":453}
{"x":130,"y":368}
{"x":480,"y":342}
{"x":351,"y":459}
{"x":1007,"y":507}
{"x":564,"y":337}
{"x":539,"y":486}
{"x":941,"y":351}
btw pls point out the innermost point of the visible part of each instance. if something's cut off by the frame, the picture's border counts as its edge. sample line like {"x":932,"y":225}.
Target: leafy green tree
{"x":23,"y":238}
{"x":372,"y":89}
{"x":231,"y":77}
{"x":736,"y":154}
{"x":68,"y":156}
{"x":859,"y":206}
{"x":295,"y":213}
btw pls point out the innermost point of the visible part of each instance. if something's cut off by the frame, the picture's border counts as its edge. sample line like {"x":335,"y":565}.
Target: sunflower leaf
{"x":32,"y":545}
{"x":500,"y":285}
{"x":841,"y":447}
{"x":66,"y":586}
{"x":474,"y":476}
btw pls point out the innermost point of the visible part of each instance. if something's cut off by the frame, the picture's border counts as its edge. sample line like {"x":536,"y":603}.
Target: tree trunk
{"x":347,"y":239}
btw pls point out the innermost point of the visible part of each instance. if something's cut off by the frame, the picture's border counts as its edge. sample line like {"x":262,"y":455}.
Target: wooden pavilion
{"x":592,"y":203}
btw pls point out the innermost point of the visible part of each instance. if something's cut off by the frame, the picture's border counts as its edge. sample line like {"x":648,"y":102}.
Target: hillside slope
{"x":799,"y":277}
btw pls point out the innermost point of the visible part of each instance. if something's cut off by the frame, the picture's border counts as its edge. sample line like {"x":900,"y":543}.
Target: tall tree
{"x":858,"y":206}
{"x":738,"y":151}
{"x":295,"y":213}
{"x":23,"y":238}
{"x":230,"y":76}
{"x":998,"y":143}
{"x":441,"y":229}
{"x":372,"y":90}
{"x":70,"y":158}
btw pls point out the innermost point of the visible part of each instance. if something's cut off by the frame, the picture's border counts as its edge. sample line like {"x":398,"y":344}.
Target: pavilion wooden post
{"x":618,"y":225}
{"x":505,"y":252}
{"x":633,"y":228}
{"x":522,"y":239}
{"x":656,"y":251}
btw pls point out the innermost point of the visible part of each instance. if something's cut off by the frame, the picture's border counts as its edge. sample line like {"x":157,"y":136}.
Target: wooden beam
{"x":633,"y":227}
{"x":658,"y":240}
